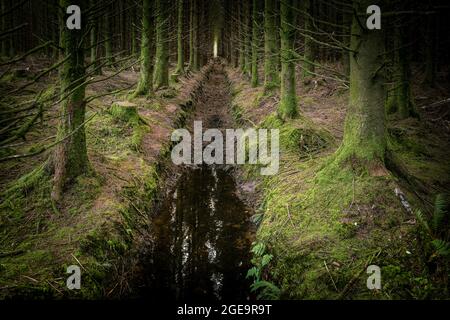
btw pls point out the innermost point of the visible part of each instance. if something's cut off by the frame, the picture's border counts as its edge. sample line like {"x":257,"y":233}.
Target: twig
{"x":331,"y":277}
{"x":43,"y":149}
{"x":289,"y":214}
{"x":350,"y":283}
{"x":60,"y":292}
{"x":30,"y":278}
{"x":10,"y":254}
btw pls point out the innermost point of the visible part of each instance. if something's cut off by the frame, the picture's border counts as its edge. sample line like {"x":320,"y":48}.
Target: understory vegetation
{"x":322,"y":222}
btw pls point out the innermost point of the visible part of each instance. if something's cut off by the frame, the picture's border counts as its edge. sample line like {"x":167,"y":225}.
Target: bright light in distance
{"x":215,"y":48}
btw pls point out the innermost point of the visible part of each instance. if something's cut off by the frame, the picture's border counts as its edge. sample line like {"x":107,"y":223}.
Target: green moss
{"x":48,"y":93}
{"x":125,"y":113}
{"x":299,"y":136}
{"x":26,"y":182}
{"x":319,"y":211}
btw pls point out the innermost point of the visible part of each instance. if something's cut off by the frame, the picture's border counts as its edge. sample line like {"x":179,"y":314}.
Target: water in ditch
{"x":201,"y":238}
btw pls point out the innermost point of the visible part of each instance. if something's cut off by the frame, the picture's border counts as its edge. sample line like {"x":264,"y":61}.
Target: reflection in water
{"x":201,"y":240}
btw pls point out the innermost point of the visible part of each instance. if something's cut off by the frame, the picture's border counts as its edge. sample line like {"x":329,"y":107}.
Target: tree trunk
{"x":193,"y":34}
{"x":347,"y":21}
{"x":364,"y":140}
{"x":107,"y":33}
{"x":241,"y":38}
{"x":180,"y":55}
{"x":400,"y":99}
{"x":12,"y":51}
{"x":162,"y":45}
{"x":309,"y":55}
{"x":4,"y":50}
{"x":271,"y":79}
{"x":288,"y":103}
{"x":255,"y":44}
{"x":431,"y":49}
{"x":70,"y":158}
{"x":145,"y":86}
{"x":134,"y":46}
{"x":247,"y":38}
{"x":94,"y":60}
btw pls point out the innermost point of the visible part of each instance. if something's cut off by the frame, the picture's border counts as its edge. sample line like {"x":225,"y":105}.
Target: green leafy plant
{"x":437,"y":228}
{"x":265,"y":290}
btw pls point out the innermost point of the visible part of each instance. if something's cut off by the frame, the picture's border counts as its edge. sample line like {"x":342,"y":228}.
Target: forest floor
{"x":321,"y":226}
{"x":92,"y":225}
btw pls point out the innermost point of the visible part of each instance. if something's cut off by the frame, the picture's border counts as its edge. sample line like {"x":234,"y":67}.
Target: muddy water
{"x":201,"y":235}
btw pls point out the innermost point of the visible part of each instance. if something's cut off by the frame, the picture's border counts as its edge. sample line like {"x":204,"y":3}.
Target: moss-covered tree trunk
{"x":255,"y":43}
{"x":364,"y":140}
{"x":134,"y":42}
{"x":145,"y":86}
{"x":180,"y":54}
{"x":70,"y":156}
{"x":107,"y":35}
{"x":400,"y":100}
{"x":430,"y":51}
{"x":162,"y":45}
{"x":193,"y":36}
{"x":271,"y":78}
{"x":95,"y":63}
{"x":287,"y":107}
{"x":4,"y":49}
{"x":406,"y":106}
{"x":309,"y":54}
{"x":247,"y":37}
{"x":347,"y":21}
{"x":11,"y":24}
{"x":241,"y":38}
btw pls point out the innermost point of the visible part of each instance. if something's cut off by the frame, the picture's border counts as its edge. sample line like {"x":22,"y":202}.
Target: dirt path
{"x":214,"y":107}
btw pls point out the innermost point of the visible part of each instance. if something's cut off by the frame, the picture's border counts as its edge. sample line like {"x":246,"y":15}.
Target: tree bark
{"x":247,"y":39}
{"x":180,"y":55}
{"x":241,"y":38}
{"x":4,"y":49}
{"x":255,"y":44}
{"x":271,"y":78}
{"x":288,"y":103}
{"x":430,"y":51}
{"x":193,"y":36}
{"x":400,"y":100}
{"x":94,"y":29}
{"x":162,"y":46}
{"x":70,"y":157}
{"x":309,"y":54}
{"x":107,"y":33}
{"x":364,"y":140}
{"x":145,"y":85}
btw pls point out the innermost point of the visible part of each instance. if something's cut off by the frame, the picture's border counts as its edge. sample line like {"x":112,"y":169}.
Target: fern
{"x":423,"y":221}
{"x":257,"y":218}
{"x":268,"y":291}
{"x":440,"y":212}
{"x":266,"y":260}
{"x":254,"y":272}
{"x":442,"y":248}
{"x":259,"y":249}
{"x":438,"y":232}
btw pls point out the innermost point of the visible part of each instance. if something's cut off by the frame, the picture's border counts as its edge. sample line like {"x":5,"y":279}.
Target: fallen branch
{"x":436,"y":104}
{"x":45,"y":148}
{"x":26,"y":54}
{"x":11,"y":253}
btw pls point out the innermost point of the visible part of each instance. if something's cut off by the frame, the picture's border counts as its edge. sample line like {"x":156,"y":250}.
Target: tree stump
{"x":125,"y":111}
